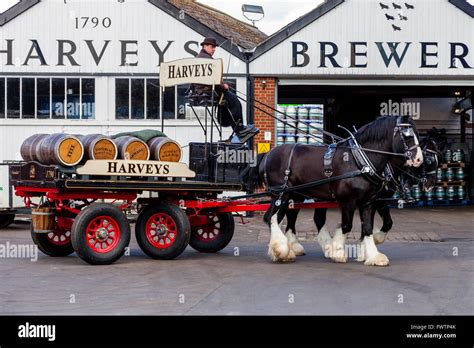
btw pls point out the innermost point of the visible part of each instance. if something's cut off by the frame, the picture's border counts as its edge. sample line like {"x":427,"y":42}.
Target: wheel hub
{"x":102,"y":234}
{"x":162,"y":230}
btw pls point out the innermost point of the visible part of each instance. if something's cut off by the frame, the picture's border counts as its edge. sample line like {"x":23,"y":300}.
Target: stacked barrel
{"x":450,"y":182}
{"x":299,"y":124}
{"x":450,"y":177}
{"x":70,"y":150}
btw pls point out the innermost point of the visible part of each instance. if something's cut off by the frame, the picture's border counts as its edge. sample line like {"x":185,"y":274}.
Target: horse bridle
{"x":406,"y":131}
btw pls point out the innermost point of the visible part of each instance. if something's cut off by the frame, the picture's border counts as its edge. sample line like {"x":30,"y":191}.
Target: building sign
{"x":390,"y":53}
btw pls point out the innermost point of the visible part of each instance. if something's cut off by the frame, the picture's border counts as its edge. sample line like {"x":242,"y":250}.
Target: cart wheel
{"x":6,"y":220}
{"x":213,"y":234}
{"x":100,"y":234}
{"x":163,"y":231}
{"x":56,"y":243}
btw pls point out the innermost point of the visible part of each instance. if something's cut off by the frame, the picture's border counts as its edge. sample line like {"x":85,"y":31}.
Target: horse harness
{"x":363,"y":162}
{"x":366,"y":166}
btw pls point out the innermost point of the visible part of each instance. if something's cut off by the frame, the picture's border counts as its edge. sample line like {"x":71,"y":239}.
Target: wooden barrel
{"x":30,"y":147}
{"x":60,"y":148}
{"x":165,"y":149}
{"x":98,"y":147}
{"x":131,"y":148}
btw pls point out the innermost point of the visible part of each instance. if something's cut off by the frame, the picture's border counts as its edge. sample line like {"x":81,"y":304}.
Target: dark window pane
{"x":138,"y":98}
{"x":43,"y":98}
{"x":122,"y":93}
{"x":28,"y":98}
{"x":88,"y":99}
{"x":73,"y":99}
{"x":153,"y":99}
{"x":182,"y":100}
{"x":13,"y":98}
{"x":169,"y":103}
{"x":2,"y":98}
{"x":58,"y":98}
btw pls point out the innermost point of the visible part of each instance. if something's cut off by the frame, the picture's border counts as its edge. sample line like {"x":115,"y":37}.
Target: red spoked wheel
{"x":56,"y":243}
{"x":162,"y":231}
{"x":100,"y":234}
{"x":103,"y":234}
{"x":211,"y":233}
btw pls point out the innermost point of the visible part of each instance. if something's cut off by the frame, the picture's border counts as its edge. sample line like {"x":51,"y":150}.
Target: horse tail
{"x":251,"y":176}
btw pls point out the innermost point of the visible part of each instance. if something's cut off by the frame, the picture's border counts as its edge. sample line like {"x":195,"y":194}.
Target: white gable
{"x":136,"y":29}
{"x":433,"y":27}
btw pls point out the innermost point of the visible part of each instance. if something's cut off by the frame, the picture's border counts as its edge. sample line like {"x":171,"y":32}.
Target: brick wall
{"x":264,"y":92}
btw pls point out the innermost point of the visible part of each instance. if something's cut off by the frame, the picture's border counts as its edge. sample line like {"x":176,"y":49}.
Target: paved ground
{"x":431,"y":272}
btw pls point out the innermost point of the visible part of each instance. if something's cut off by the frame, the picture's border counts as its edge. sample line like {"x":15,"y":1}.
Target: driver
{"x":231,"y":111}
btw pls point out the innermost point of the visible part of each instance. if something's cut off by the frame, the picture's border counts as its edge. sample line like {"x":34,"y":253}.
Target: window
{"x":43,"y":102}
{"x":13,"y":98}
{"x":57,"y":98}
{"x":28,"y":98}
{"x":137,"y":99}
{"x":122,"y":88}
{"x":73,"y":99}
{"x":88,"y":99}
{"x":153,"y":98}
{"x":169,"y":103}
{"x":2,"y":98}
{"x":45,"y":98}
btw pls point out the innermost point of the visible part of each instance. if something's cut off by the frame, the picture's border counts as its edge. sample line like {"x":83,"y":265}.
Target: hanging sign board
{"x":192,"y":70}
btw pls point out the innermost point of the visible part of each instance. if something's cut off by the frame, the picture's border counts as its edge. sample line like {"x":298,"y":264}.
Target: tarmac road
{"x":424,"y":278}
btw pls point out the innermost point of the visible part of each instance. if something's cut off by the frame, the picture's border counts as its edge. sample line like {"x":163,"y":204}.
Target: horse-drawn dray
{"x":81,"y":208}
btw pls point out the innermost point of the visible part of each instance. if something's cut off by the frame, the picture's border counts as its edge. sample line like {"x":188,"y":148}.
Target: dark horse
{"x":425,"y":174}
{"x":302,"y":164}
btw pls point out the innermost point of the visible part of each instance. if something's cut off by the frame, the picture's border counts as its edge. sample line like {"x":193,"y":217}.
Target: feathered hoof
{"x":279,"y":251}
{"x":379,"y":237}
{"x":298,"y":249}
{"x":340,"y":257}
{"x":378,"y":259}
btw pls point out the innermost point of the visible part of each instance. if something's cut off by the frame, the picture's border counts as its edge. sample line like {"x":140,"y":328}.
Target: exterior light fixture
{"x":257,"y":11}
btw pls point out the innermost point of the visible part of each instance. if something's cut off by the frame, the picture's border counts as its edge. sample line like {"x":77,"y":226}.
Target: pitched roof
{"x":16,"y":10}
{"x":242,"y":34}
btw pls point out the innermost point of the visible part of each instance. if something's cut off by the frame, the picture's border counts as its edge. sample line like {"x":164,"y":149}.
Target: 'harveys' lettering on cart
{"x":196,"y":70}
{"x":137,"y":168}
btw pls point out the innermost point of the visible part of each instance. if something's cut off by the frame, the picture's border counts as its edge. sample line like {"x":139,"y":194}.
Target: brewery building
{"x":94,"y":69}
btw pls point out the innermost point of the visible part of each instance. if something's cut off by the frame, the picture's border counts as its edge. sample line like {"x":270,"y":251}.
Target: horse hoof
{"x":298,"y":249}
{"x":379,"y":237}
{"x":379,"y":259}
{"x":340,"y":259}
{"x":278,"y":251}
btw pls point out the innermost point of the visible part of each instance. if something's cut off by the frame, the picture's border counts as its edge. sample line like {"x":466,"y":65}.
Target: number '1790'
{"x":92,"y":22}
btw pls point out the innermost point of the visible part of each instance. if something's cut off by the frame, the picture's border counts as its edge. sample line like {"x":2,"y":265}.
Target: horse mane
{"x":377,"y":130}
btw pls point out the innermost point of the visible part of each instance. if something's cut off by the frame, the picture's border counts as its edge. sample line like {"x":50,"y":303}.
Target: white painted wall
{"x":364,"y":21}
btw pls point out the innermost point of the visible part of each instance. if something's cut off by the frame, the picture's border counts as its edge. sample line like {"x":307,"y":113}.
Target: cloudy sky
{"x":278,"y":13}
